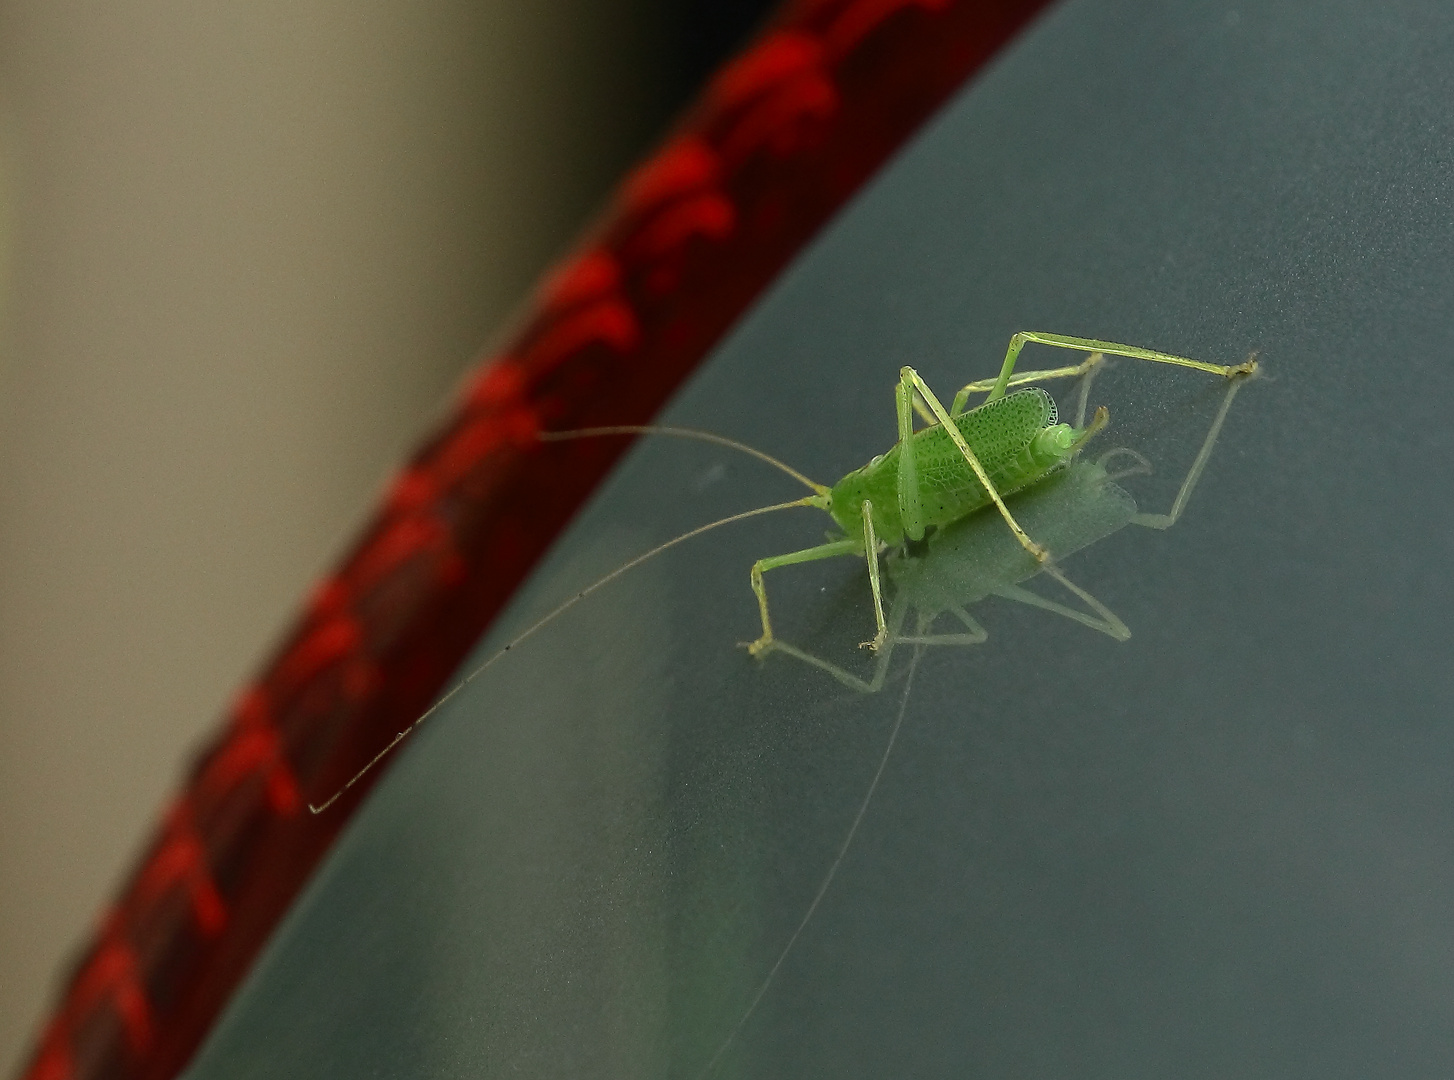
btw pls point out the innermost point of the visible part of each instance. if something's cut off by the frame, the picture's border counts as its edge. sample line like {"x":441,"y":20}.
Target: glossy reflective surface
{"x":1221,"y":847}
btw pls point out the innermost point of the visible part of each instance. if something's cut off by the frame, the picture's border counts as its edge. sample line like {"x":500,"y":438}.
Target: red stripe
{"x":782,"y":137}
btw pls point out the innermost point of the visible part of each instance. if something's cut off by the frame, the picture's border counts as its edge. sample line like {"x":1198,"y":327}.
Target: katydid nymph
{"x":1075,"y":505}
{"x":965,"y":461}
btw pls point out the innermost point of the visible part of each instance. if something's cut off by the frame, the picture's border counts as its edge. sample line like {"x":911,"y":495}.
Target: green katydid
{"x":967,"y":460}
{"x":963,"y":462}
{"x":976,"y":557}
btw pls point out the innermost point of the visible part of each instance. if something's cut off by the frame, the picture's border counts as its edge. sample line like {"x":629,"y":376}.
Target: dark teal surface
{"x":1222,"y":848}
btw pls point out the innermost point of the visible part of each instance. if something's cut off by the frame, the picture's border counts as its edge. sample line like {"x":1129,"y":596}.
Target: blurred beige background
{"x":247,"y":246}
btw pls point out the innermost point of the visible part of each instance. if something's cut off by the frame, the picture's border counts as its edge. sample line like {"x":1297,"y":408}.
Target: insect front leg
{"x":867,"y":546}
{"x":765,"y":643}
{"x":910,"y":381}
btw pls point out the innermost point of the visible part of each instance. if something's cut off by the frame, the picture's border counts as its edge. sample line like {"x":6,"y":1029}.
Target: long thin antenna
{"x":827,"y":879}
{"x":682,"y":433}
{"x":811,"y":500}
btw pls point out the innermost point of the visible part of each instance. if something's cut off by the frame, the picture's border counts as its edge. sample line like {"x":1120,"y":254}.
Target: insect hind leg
{"x":909,"y":382}
{"x":1109,"y":348}
{"x":847,"y":546}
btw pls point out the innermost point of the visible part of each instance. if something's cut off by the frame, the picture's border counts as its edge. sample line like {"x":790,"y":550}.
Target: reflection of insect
{"x":964,"y":461}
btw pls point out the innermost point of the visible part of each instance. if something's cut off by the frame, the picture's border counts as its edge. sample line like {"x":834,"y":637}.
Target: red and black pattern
{"x":777,"y":142}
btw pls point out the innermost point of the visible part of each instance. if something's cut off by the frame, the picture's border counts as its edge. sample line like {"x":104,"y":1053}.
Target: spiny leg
{"x":823,"y":551}
{"x":1108,"y":622}
{"x":1110,"y":348}
{"x":1167,"y":520}
{"x":909,"y":381}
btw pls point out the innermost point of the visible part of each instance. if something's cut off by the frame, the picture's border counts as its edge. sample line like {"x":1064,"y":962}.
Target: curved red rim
{"x":779,"y":139}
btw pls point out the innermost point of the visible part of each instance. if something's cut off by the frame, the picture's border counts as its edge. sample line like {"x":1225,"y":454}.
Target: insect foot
{"x":876,"y":643}
{"x":759,"y":648}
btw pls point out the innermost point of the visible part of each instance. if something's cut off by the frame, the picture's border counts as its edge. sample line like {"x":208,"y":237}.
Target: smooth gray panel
{"x":1221,"y":848}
